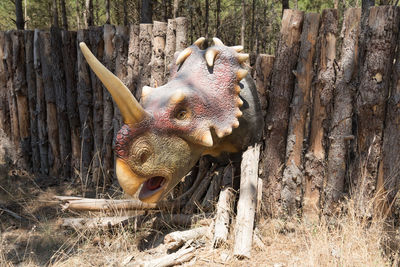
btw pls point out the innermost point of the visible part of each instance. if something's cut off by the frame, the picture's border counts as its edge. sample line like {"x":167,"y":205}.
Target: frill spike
{"x":199,"y":42}
{"x":217,"y":41}
{"x":241,"y":74}
{"x":183,"y":55}
{"x":237,"y":48}
{"x":242,"y":57}
{"x":210,"y":56}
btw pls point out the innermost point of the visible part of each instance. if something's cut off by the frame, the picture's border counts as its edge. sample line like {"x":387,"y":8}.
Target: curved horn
{"x":131,"y":111}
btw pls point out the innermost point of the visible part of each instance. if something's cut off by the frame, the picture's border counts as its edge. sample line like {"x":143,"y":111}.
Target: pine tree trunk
{"x":4,"y":108}
{"x":33,"y":116}
{"x":19,"y":15}
{"x":40,"y":105}
{"x":341,"y":124}
{"x":146,"y":12}
{"x":264,"y":65}
{"x":382,"y":33}
{"x":54,"y":11}
{"x":282,"y":85}
{"x":242,"y":27}
{"x":108,"y":17}
{"x":64,"y":15}
{"x":51,"y":104}
{"x":297,"y":130}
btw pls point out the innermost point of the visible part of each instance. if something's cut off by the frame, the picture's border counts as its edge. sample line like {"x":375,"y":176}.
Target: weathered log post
{"x":292,"y":179}
{"x":213,"y":190}
{"x":145,"y":32}
{"x":391,"y":137}
{"x":51,"y":105}
{"x":61,"y":100}
{"x":4,"y":109}
{"x":97,"y":48}
{"x":158,"y":54}
{"x":40,"y":105}
{"x":11,"y":98}
{"x":85,"y":101}
{"x":375,"y":76}
{"x":341,"y":123}
{"x":315,"y":164}
{"x":21,"y":92}
{"x":108,"y":109}
{"x":70,"y":67}
{"x":264,"y":66}
{"x":33,"y":115}
{"x":181,"y":33}
{"x":170,"y":45}
{"x":282,"y":85}
{"x":247,"y":202}
{"x":133,"y":58}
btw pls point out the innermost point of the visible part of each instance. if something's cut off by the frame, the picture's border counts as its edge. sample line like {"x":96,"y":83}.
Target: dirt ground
{"x":31,"y":234}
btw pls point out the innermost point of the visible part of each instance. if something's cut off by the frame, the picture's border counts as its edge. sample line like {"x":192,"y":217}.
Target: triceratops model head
{"x":209,"y":106}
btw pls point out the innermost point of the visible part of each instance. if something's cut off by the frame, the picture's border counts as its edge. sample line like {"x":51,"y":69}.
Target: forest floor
{"x":31,"y":234}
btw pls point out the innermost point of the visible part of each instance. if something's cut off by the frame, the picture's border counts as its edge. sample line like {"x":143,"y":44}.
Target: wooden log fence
{"x":331,"y":120}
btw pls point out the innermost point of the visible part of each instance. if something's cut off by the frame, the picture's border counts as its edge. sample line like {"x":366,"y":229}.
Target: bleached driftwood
{"x":224,"y":209}
{"x":247,"y":202}
{"x":177,"y":239}
{"x":89,"y":204}
{"x":179,"y":257}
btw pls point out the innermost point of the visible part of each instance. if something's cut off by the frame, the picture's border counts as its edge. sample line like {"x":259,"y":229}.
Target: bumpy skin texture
{"x":202,"y":110}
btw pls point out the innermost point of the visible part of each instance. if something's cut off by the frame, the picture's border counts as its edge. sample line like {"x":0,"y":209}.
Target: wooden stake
{"x":177,"y":239}
{"x":158,"y":54}
{"x":181,"y":33}
{"x":4,"y":108}
{"x":292,"y":178}
{"x":145,"y":33}
{"x":170,"y":45}
{"x":247,"y":202}
{"x":133,"y":58}
{"x":264,"y":66}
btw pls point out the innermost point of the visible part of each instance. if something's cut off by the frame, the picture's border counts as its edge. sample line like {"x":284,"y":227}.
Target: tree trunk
{"x":108,"y":17}
{"x":21,"y":92}
{"x":78,"y":15}
{"x":85,"y":102}
{"x":133,"y":58}
{"x":40,"y":105}
{"x":176,"y":7}
{"x":125,"y":8}
{"x":61,"y":100}
{"x":145,"y":32}
{"x":97,"y":48}
{"x":33,"y":116}
{"x":292,"y":179}
{"x":170,"y":45}
{"x":19,"y":15}
{"x":64,"y":15}
{"x":282,"y":85}
{"x":341,"y":124}
{"x":218,"y":22}
{"x":206,"y":20}
{"x":315,"y":165}
{"x":70,"y":67}
{"x":181,"y":33}
{"x":4,"y":108}
{"x":264,"y":64}
{"x":146,"y":12}
{"x":54,"y":11}
{"x":89,"y":13}
{"x":158,"y":54}
{"x":51,"y":104}
{"x":382,"y":32}
{"x":285,"y":5}
{"x":242,"y":27}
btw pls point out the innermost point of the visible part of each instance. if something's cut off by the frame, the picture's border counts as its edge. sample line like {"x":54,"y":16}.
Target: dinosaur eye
{"x":182,"y":114}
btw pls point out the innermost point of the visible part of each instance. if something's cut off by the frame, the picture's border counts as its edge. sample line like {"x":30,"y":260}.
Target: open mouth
{"x":152,"y":186}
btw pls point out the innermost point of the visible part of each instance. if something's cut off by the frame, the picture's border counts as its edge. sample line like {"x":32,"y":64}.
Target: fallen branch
{"x":96,"y":223}
{"x":179,"y":257}
{"x":177,"y":239}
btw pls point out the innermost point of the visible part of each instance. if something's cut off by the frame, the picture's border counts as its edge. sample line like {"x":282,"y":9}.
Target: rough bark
{"x":21,"y":92}
{"x":40,"y":105}
{"x":264,"y":64}
{"x":382,"y":33}
{"x":247,"y":202}
{"x":54,"y":11}
{"x":70,"y":67}
{"x":282,"y":85}
{"x":57,"y":67}
{"x":85,"y":102}
{"x":31,"y":84}
{"x":391,"y":140}
{"x":181,"y":33}
{"x":19,"y":15}
{"x":243,"y":24}
{"x":292,"y":178}
{"x":177,"y":239}
{"x":341,"y":123}
{"x":146,"y":12}
{"x":209,"y":200}
{"x":121,"y":58}
{"x":315,"y":162}
{"x":133,"y":58}
{"x":97,"y":48}
{"x":64,"y":15}
{"x":4,"y":108}
{"x":108,"y":113}
{"x":145,"y":33}
{"x":170,"y":45}
{"x":158,"y":54}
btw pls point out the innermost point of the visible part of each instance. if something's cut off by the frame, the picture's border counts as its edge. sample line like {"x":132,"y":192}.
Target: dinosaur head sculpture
{"x":163,"y":137}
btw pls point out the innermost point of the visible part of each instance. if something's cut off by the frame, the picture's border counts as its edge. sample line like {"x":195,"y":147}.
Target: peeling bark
{"x":264,"y":65}
{"x":4,"y":108}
